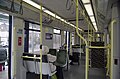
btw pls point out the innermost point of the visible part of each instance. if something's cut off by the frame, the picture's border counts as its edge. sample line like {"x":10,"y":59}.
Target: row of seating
{"x":49,"y":62}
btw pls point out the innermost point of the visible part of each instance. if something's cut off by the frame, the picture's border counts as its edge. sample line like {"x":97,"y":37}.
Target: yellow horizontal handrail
{"x":31,"y":57}
{"x":98,"y":47}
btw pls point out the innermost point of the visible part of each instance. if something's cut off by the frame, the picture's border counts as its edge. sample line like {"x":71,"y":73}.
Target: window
{"x":34,"y":42}
{"x":33,"y":39}
{"x":73,"y":39}
{"x":4,"y":46}
{"x":56,"y":31}
{"x":56,"y":39}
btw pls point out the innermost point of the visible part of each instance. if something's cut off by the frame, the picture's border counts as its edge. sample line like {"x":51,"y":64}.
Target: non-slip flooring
{"x":78,"y":72}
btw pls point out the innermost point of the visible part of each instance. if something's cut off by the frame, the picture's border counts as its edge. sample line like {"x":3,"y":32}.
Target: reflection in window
{"x":56,"y":41}
{"x":34,"y":39}
{"x":4,"y":43}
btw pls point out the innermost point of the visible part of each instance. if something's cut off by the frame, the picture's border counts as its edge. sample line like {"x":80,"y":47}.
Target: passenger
{"x":64,"y":46}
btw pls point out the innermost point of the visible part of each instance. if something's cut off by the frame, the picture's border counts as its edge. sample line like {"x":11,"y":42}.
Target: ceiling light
{"x":50,"y":13}
{"x":96,"y":28}
{"x":85,"y":1}
{"x":32,"y":3}
{"x":92,"y":18}
{"x":94,"y":23}
{"x":89,"y":9}
{"x":98,"y":35}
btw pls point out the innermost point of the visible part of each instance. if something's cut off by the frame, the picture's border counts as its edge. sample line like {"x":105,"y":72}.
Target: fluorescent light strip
{"x":88,"y":8}
{"x":86,"y":1}
{"x":30,"y":2}
{"x":94,"y":23}
{"x":92,"y":18}
{"x":96,"y":28}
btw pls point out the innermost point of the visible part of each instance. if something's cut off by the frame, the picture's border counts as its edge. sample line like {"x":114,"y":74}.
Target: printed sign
{"x":19,"y":41}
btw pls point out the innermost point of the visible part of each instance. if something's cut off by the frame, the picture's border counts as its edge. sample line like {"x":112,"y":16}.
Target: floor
{"x":75,"y":72}
{"x":4,"y":74}
{"x":78,"y":72}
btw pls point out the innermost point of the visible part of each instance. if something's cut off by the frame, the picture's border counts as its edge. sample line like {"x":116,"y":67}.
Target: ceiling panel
{"x":59,"y":7}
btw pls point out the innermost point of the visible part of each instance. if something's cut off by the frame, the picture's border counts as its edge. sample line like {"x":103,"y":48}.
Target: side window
{"x":34,"y":42}
{"x":32,"y":37}
{"x":73,"y":39}
{"x":56,"y":39}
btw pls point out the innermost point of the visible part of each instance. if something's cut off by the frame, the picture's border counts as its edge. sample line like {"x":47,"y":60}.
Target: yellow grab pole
{"x":87,"y":49}
{"x":88,"y":33}
{"x":111,"y":70}
{"x":108,"y":62}
{"x":98,"y":47}
{"x":41,"y":39}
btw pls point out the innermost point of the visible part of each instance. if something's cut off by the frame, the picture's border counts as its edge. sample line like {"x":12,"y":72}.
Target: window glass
{"x":34,"y":26}
{"x":56,"y":41}
{"x":4,"y":44}
{"x":34,"y":40}
{"x":73,"y":39}
{"x":56,"y":31}
{"x":64,"y":36}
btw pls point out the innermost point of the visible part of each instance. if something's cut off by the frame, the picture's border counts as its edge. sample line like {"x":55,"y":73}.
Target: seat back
{"x":45,"y":65}
{"x":29,"y":63}
{"x":52,"y":52}
{"x":33,"y":66}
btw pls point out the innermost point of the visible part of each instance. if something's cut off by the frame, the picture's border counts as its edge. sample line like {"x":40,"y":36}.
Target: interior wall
{"x":18,"y":49}
{"x":47,"y":42}
{"x":116,"y":41}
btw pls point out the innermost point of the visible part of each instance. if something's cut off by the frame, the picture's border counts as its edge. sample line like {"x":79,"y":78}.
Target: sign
{"x":19,"y":41}
{"x":49,"y":36}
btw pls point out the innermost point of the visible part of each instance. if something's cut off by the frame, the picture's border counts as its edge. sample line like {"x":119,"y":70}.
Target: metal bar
{"x":41,"y":40}
{"x":87,"y":49}
{"x":88,"y":34}
{"x":31,"y":57}
{"x":108,"y":62}
{"x":111,"y":70}
{"x":98,"y":47}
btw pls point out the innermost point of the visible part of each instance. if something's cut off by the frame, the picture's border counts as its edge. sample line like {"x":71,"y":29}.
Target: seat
{"x":52,"y":52}
{"x":33,"y":67}
{"x":76,"y":57}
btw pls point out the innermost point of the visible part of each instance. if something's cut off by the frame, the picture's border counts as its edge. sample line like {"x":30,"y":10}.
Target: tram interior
{"x":59,"y":39}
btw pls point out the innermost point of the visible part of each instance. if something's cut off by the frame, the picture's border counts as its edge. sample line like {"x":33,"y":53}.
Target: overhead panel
{"x":60,"y":8}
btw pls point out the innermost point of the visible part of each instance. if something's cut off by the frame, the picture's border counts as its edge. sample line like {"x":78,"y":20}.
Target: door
{"x":5,"y":45}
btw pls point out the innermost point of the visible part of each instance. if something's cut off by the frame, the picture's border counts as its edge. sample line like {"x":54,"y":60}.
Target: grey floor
{"x":78,"y":72}
{"x":4,"y":73}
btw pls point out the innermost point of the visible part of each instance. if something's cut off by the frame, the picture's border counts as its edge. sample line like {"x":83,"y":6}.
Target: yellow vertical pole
{"x":111,"y":69}
{"x":108,"y":62}
{"x":87,"y":49}
{"x":88,"y":34}
{"x":91,"y":34}
{"x":41,"y":39}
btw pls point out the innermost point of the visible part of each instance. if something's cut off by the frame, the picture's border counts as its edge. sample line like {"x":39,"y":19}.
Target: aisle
{"x":78,"y":72}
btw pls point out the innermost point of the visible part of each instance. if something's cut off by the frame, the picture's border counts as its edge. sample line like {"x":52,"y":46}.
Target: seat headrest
{"x":45,"y":50}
